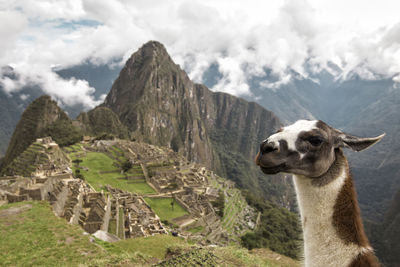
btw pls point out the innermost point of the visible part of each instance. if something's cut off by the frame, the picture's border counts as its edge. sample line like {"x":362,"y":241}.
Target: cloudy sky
{"x":242,"y":37}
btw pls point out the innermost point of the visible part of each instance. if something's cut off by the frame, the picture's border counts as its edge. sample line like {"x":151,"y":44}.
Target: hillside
{"x":157,"y":176}
{"x":385,"y":235}
{"x":100,"y":121}
{"x":41,"y":118}
{"x":40,"y":156}
{"x":160,"y":105}
{"x":56,"y":241}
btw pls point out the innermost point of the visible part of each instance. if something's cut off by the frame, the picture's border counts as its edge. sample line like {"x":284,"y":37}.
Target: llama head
{"x":306,"y":148}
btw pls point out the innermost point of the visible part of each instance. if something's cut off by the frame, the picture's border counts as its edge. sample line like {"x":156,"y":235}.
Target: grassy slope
{"x":34,"y":236}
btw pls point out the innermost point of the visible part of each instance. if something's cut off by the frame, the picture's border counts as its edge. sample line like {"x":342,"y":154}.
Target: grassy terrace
{"x":233,"y":207}
{"x":162,"y":207}
{"x":101,"y":171}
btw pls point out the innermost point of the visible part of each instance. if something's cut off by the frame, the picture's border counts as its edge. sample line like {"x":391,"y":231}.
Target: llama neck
{"x":332,"y":228}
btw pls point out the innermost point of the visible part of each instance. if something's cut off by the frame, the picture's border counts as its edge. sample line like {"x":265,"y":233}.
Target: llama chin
{"x":332,"y":228}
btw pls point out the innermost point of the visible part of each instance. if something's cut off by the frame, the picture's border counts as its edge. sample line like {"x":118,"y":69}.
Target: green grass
{"x":233,"y":207}
{"x":98,"y":162}
{"x":37,"y":237}
{"x":162,"y":207}
{"x":112,"y":226}
{"x":196,"y":229}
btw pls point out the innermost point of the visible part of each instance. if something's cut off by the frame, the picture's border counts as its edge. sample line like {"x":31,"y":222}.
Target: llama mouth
{"x":273,"y":170}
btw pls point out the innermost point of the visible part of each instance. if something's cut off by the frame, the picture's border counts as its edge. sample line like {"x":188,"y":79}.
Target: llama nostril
{"x":266,"y":147}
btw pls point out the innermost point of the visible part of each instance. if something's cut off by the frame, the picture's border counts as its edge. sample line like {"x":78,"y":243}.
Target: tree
{"x":126,"y":165}
{"x":172,"y":201}
{"x":77,"y":161}
{"x":78,"y":174}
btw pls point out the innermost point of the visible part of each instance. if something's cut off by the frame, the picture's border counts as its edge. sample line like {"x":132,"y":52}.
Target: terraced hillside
{"x":42,"y":155}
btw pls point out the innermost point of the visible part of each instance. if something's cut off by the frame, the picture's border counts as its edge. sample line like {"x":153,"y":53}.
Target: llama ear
{"x":358,"y":143}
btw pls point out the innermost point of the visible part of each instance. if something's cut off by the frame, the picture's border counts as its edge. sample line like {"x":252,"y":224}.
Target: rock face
{"x":41,"y":118}
{"x":160,"y":105}
{"x":101,"y":120}
{"x":156,"y":100}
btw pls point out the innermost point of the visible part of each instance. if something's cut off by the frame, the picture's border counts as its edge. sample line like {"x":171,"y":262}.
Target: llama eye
{"x":315,"y":141}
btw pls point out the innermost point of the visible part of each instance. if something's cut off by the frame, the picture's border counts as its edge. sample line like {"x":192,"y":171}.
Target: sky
{"x":244,"y":38}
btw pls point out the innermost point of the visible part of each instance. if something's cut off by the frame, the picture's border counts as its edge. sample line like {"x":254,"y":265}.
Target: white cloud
{"x":244,"y":37}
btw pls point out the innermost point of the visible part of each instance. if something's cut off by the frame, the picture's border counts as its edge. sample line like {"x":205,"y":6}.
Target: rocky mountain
{"x":100,"y":121}
{"x":160,"y":105}
{"x":41,"y":118}
{"x":11,"y":107}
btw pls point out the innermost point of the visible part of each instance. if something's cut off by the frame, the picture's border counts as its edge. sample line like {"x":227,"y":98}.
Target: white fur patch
{"x":322,"y":245}
{"x":291,"y":132}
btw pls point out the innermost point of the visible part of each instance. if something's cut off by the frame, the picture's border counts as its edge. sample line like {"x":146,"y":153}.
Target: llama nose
{"x":267,"y":147}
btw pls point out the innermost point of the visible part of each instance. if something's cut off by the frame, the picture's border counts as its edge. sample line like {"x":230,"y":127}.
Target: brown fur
{"x":365,"y":260}
{"x":346,"y":215}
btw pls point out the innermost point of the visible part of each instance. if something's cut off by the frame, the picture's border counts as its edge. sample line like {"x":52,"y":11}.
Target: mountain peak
{"x":43,"y":117}
{"x":160,"y":105}
{"x":150,"y":54}
{"x":147,"y":71}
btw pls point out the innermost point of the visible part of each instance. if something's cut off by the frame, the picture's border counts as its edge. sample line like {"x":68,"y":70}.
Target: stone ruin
{"x":139,"y":218}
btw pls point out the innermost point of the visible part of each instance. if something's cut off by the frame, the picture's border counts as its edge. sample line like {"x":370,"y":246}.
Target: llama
{"x":330,"y":216}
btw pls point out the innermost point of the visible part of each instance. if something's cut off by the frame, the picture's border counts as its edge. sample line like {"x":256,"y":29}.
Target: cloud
{"x":243,"y":38}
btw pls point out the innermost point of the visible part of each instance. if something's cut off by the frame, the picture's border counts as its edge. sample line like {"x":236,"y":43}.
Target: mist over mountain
{"x":100,"y":77}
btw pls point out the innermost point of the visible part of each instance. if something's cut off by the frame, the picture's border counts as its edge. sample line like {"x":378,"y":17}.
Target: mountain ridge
{"x":160,"y":105}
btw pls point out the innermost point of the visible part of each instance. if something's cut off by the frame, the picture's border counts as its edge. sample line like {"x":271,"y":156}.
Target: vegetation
{"x":194,"y":257}
{"x":233,"y":207}
{"x":64,"y":132}
{"x":27,"y":162}
{"x":154,"y":246}
{"x":219,"y":204}
{"x":235,"y":166}
{"x":40,"y":119}
{"x":278,"y":229}
{"x":126,"y":165}
{"x":162,"y":207}
{"x":103,"y":123}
